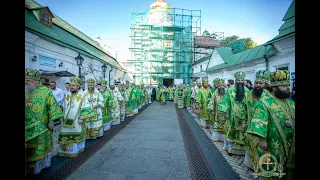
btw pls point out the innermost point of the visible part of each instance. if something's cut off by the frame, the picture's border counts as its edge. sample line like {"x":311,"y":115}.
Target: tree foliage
{"x":229,"y":41}
{"x":249,"y":43}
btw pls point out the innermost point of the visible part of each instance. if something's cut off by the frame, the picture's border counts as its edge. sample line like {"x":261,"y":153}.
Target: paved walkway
{"x":150,"y":147}
{"x":236,"y":162}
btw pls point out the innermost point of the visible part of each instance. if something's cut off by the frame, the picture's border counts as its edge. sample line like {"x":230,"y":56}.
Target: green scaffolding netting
{"x":162,"y":43}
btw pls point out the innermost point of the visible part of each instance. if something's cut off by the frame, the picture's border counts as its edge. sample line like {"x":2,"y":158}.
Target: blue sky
{"x":111,"y":19}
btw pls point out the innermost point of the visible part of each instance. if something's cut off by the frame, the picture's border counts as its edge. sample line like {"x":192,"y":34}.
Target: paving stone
{"x":150,"y":147}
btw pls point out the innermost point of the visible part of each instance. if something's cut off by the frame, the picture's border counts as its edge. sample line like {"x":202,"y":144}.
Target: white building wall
{"x":215,"y":59}
{"x":35,"y":46}
{"x":249,"y":68}
{"x":285,"y":55}
{"x":197,"y":71}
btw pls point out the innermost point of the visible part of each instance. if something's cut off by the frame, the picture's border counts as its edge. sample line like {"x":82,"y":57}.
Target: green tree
{"x":249,"y":43}
{"x":229,"y":41}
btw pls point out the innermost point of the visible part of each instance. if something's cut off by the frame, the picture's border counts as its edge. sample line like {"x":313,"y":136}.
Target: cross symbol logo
{"x":268,"y":162}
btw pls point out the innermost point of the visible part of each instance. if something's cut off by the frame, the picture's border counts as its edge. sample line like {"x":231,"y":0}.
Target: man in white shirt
{"x":57,"y":92}
{"x":67,"y":90}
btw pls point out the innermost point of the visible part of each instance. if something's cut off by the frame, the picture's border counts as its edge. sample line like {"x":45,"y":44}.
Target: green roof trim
{"x":241,"y":57}
{"x":287,"y":25}
{"x":287,"y":29}
{"x":66,"y":35}
{"x":278,"y":38}
{"x":290,"y":12}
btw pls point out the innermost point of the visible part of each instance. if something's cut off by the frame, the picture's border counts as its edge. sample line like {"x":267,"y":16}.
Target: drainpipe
{"x":266,"y":58}
{"x":109,"y":76}
{"x":267,"y":62}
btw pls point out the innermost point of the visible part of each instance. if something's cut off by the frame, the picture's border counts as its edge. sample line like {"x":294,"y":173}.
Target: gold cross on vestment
{"x":78,"y":97}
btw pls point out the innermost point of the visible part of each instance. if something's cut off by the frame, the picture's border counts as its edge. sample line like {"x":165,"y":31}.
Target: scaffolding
{"x":205,"y":44}
{"x":162,"y":43}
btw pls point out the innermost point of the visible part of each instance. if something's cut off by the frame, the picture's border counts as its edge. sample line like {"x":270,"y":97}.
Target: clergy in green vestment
{"x":163,"y":95}
{"x":218,"y":118}
{"x":202,"y":99}
{"x":171,"y":93}
{"x":158,"y":93}
{"x":192,"y":86}
{"x":215,"y":83}
{"x":41,"y":109}
{"x":129,"y":103}
{"x":187,"y":95}
{"x":96,"y":101}
{"x":180,"y":97}
{"x":108,"y":105}
{"x":234,"y":104}
{"x":118,"y":99}
{"x":123,"y":103}
{"x":213,"y":88}
{"x":77,"y":110}
{"x":262,"y":82}
{"x":272,"y":128}
{"x":176,"y":94}
{"x":195,"y":106}
{"x":135,"y":99}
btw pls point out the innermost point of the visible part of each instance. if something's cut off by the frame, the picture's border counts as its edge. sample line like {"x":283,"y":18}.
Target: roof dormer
{"x":44,"y":15}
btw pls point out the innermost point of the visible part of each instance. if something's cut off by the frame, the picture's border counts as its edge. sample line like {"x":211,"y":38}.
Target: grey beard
{"x":91,"y":90}
{"x":221,"y":91}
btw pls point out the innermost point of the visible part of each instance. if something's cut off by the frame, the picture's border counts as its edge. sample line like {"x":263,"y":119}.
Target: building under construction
{"x":162,"y":43}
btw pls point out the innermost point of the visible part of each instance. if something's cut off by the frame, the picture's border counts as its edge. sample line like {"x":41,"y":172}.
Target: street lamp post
{"x":83,"y":79}
{"x":104,"y":69}
{"x":79,"y":59}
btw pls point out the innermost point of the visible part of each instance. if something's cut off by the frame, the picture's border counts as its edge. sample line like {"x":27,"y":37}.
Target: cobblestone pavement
{"x":236,"y":162}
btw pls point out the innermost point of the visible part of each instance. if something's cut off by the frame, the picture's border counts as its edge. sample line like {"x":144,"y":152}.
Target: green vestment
{"x":41,"y":109}
{"x":108,"y":105}
{"x":202,"y":97}
{"x":238,"y":115}
{"x":274,"y":122}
